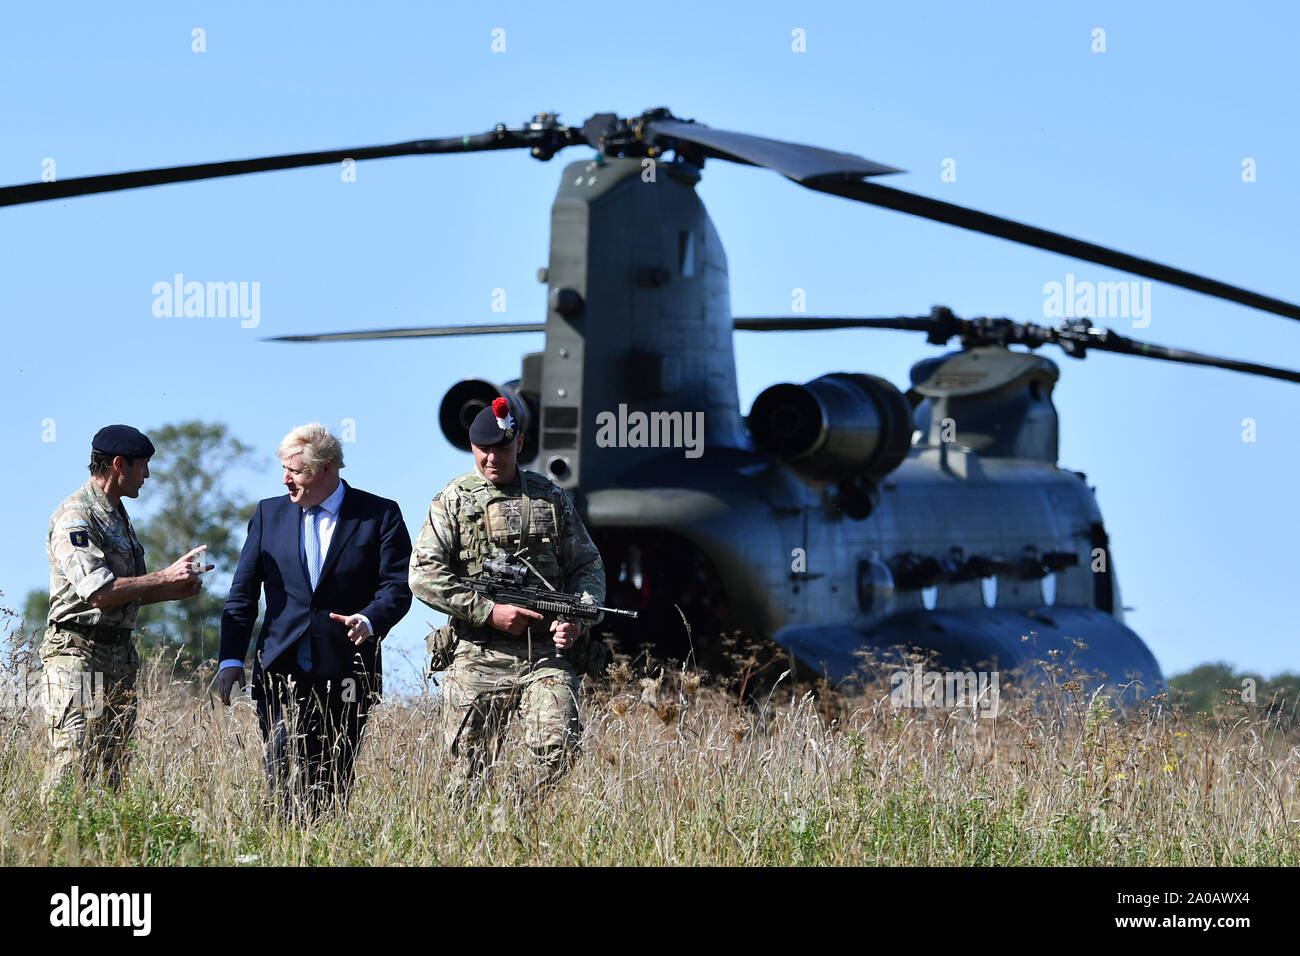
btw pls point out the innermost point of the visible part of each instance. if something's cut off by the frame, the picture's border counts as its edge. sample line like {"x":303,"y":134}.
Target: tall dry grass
{"x":677,"y":773}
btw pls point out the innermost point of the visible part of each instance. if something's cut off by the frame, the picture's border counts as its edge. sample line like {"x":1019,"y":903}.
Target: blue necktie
{"x":311,"y":545}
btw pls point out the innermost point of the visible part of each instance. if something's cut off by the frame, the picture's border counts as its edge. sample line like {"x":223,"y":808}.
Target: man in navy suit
{"x":333,"y":562}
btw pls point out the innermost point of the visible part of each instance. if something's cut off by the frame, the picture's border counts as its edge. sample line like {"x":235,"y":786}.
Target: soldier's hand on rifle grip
{"x":564,"y":633}
{"x":512,"y":619}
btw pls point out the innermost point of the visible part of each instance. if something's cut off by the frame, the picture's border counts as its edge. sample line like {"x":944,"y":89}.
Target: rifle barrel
{"x":555,"y":602}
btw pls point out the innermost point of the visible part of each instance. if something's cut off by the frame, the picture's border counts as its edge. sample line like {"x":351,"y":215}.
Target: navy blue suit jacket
{"x":364,"y":572}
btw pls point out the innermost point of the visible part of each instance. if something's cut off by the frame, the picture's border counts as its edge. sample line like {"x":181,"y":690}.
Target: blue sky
{"x":1140,"y":147}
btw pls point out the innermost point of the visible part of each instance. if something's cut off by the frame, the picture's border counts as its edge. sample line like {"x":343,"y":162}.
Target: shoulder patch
{"x":75,"y":523}
{"x":80,"y":539}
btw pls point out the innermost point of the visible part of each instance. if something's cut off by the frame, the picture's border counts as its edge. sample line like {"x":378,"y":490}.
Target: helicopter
{"x":839,"y":515}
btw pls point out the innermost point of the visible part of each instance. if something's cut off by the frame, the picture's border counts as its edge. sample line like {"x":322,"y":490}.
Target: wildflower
{"x":649,"y":691}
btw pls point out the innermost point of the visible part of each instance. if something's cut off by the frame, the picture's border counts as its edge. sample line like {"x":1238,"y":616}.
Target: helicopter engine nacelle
{"x":467,"y":398}
{"x":842,"y":425}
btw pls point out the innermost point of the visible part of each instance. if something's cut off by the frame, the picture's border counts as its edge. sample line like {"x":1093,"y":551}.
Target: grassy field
{"x":677,"y":773}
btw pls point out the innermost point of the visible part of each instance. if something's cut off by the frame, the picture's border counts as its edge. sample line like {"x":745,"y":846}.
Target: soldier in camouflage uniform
{"x":506,"y":660}
{"x":97,"y":584}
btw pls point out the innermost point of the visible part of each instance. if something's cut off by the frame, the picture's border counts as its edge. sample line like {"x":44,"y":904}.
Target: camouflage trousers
{"x":489,"y":683}
{"x":88,"y":692}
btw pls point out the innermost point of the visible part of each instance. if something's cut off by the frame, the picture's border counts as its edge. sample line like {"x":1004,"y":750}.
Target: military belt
{"x":100,"y":632}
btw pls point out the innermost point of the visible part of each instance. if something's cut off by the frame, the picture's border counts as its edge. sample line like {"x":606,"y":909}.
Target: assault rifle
{"x":504,"y":584}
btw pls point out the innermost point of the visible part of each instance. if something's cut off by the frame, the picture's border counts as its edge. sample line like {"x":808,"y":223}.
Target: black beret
{"x":122,"y":440}
{"x":486,"y":431}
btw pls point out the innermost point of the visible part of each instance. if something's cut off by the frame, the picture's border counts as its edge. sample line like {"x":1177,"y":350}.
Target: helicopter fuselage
{"x":839,"y":515}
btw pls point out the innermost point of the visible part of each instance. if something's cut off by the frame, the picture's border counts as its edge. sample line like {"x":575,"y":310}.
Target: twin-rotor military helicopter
{"x":904,"y":505}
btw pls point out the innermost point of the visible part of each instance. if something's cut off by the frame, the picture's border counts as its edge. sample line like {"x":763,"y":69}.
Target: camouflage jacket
{"x":471,"y":518}
{"x":89,"y":544}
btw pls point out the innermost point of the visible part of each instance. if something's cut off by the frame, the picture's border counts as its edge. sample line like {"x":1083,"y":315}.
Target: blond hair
{"x":316,"y":445}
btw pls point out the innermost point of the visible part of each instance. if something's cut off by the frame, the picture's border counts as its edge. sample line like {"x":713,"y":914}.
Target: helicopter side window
{"x":686,"y":253}
{"x":875,"y":585}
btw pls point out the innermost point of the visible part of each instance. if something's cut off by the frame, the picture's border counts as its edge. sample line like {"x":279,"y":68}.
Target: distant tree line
{"x":1214,"y":689}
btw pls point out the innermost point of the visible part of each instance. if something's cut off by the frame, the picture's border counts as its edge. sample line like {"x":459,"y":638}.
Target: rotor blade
{"x":991,"y":225}
{"x":809,"y":323}
{"x":412,"y":333}
{"x":500,"y":138}
{"x":941,"y":325}
{"x":1109,"y":341}
{"x":795,"y":160}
